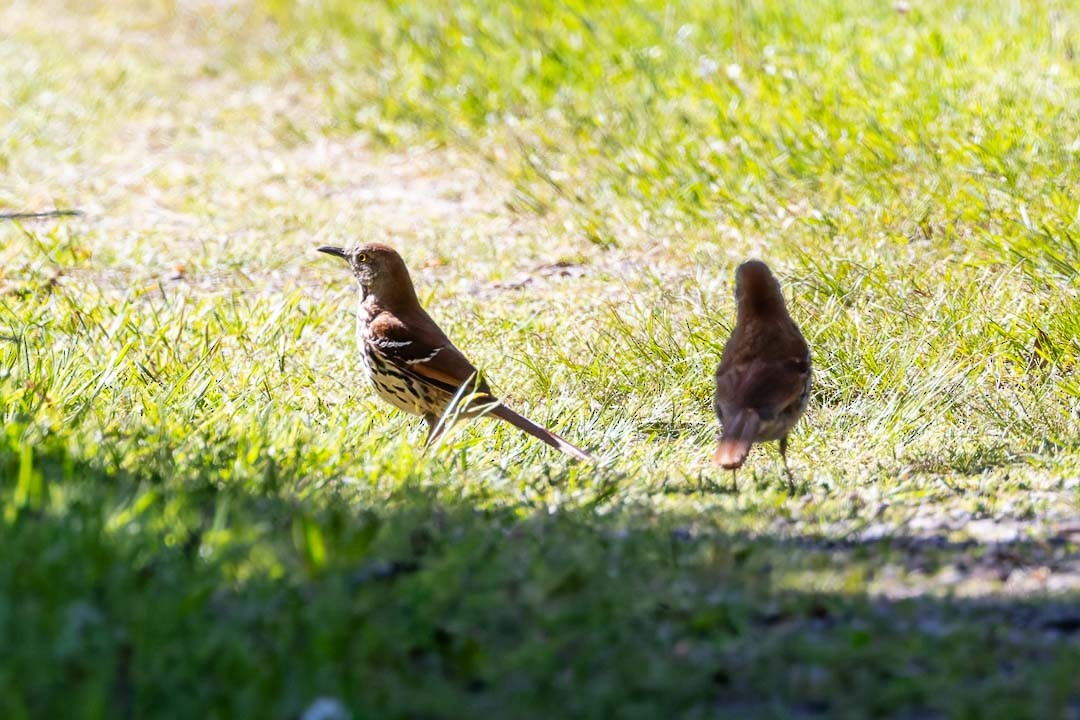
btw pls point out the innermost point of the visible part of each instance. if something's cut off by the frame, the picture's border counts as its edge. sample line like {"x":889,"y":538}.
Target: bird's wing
{"x":422,"y":350}
{"x":449,"y":366}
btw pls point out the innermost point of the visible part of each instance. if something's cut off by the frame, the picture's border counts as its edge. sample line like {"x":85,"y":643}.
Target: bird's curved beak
{"x":335,"y":251}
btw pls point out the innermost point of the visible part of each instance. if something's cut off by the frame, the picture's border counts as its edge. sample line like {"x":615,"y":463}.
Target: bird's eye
{"x":362,"y":258}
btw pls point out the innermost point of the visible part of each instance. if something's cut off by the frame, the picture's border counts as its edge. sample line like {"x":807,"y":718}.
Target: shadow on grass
{"x":127,"y":596}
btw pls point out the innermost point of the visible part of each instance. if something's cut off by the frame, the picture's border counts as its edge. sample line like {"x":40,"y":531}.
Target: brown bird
{"x":410,"y":361}
{"x":763,"y":381}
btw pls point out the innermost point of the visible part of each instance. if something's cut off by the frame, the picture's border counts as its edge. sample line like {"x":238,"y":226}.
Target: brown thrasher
{"x":410,"y":361}
{"x":763,"y":381}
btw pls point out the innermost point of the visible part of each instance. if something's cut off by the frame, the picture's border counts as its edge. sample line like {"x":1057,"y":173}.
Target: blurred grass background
{"x":206,"y":512}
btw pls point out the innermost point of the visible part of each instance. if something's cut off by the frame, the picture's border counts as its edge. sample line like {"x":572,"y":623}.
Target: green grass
{"x":205,"y":511}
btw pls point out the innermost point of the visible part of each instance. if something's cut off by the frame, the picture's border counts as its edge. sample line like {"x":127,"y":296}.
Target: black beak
{"x":335,"y":251}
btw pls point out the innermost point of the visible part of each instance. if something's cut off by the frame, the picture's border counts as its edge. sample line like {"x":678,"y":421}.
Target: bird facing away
{"x":763,"y":381}
{"x":410,"y":361}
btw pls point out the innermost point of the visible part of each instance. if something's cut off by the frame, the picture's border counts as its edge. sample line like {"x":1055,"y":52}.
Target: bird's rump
{"x":768,"y":387}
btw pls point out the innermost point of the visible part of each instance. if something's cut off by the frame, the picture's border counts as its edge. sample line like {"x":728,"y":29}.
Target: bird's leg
{"x":735,"y":480}
{"x":787,"y":470}
{"x":434,"y":431}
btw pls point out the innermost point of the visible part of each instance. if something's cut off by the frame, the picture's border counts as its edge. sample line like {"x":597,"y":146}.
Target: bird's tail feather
{"x":540,"y":433}
{"x":739,"y":434}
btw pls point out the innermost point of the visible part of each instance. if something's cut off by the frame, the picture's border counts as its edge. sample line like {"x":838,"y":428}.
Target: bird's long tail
{"x":739,"y":434}
{"x":540,"y":433}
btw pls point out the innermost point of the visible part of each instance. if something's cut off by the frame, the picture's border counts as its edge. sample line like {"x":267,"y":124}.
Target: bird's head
{"x":756,"y":287}
{"x":378,"y":268}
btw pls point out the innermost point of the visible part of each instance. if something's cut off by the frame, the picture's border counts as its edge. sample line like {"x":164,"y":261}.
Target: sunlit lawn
{"x":206,"y":512}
